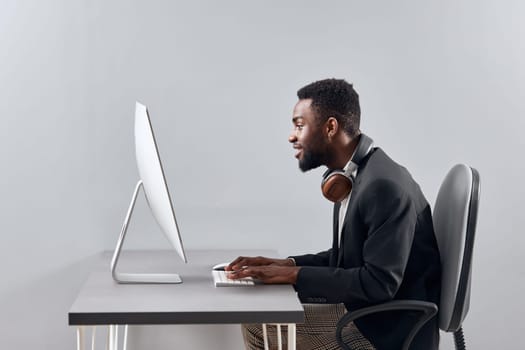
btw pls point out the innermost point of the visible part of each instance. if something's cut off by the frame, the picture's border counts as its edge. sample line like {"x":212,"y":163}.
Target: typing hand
{"x":270,"y":274}
{"x":243,"y":261}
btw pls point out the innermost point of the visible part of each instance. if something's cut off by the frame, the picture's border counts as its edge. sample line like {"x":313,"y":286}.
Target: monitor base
{"x":146,"y":278}
{"x":137,"y":278}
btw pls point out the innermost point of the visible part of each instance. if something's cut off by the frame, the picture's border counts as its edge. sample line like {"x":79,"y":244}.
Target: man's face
{"x":307,"y":137}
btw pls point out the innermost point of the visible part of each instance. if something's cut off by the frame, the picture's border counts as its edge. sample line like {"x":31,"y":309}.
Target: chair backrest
{"x":455,"y":216}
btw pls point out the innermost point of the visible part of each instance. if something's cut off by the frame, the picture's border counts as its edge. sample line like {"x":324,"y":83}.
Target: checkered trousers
{"x":317,"y":333}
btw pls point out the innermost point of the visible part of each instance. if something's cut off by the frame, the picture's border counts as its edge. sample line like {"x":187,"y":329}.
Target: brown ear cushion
{"x":336,"y":187}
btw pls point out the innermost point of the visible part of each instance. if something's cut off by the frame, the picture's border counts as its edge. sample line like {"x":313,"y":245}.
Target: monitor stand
{"x":136,"y":278}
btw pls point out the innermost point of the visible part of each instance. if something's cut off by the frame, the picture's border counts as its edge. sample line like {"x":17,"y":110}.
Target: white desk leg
{"x":111,"y":337}
{"x":93,"y":332}
{"x":125,"y":340}
{"x":265,"y":336}
{"x":80,"y":338}
{"x":279,"y":338}
{"x":116,"y":337}
{"x":291,"y":336}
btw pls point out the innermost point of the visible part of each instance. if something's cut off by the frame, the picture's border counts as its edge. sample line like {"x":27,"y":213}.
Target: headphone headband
{"x":337,"y":184}
{"x":363,"y":147}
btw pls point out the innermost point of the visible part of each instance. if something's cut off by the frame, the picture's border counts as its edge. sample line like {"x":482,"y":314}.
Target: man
{"x":384,"y":246}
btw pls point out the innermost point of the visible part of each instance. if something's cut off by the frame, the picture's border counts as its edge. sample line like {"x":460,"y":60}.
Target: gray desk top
{"x":195,"y":301}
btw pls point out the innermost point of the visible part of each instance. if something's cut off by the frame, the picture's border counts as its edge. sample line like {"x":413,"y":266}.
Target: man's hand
{"x":267,"y":270}
{"x":243,"y":261}
{"x":270,"y":274}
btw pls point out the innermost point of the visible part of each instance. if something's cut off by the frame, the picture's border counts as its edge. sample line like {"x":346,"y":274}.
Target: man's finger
{"x":233,"y":265}
{"x":236,"y":274}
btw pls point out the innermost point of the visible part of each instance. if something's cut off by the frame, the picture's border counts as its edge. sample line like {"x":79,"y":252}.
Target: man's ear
{"x":331,"y":128}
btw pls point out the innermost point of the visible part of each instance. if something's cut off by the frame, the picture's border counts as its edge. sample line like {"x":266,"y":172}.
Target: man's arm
{"x":319,"y":259}
{"x":275,"y":271}
{"x":390,"y":217}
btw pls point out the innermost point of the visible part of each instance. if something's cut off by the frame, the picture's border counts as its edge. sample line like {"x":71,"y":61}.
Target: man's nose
{"x":293,"y":137}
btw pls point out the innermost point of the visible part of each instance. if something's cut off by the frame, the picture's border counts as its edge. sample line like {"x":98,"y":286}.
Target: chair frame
{"x":428,"y":309}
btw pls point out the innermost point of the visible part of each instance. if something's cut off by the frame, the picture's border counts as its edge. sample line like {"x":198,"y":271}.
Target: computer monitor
{"x":153,"y":181}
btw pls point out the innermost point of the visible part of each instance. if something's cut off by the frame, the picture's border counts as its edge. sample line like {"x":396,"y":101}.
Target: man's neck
{"x":344,"y":152}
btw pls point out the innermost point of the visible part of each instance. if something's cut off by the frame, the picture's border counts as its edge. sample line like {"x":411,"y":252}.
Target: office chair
{"x":454,"y":217}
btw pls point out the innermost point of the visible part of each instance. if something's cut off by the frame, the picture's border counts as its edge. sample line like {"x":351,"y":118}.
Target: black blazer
{"x":388,"y":251}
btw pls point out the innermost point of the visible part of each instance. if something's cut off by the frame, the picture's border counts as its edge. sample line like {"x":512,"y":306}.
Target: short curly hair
{"x":334,"y":98}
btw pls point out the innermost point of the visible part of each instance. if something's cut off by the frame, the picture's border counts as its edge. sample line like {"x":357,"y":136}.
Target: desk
{"x":101,"y":301}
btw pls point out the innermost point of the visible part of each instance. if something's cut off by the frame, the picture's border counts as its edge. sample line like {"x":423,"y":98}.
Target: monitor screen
{"x":153,"y":179}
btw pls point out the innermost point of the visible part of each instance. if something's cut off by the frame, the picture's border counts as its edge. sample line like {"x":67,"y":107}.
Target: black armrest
{"x":428,"y":309}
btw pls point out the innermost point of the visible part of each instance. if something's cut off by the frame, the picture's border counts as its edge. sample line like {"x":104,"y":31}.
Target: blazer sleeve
{"x":319,"y":259}
{"x":389,"y":216}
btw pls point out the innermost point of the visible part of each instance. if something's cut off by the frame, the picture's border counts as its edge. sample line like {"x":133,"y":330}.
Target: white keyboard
{"x":221,"y":280}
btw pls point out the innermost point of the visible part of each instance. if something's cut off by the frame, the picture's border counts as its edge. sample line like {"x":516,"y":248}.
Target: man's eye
{"x":299,"y":127}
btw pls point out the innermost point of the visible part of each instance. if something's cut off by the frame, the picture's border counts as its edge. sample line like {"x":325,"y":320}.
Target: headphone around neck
{"x":337,"y":184}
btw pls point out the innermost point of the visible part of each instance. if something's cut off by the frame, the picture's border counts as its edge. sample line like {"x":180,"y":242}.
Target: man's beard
{"x":311,"y":160}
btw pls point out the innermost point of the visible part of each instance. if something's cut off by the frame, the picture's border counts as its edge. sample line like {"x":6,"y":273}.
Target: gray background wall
{"x":440,"y":82}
